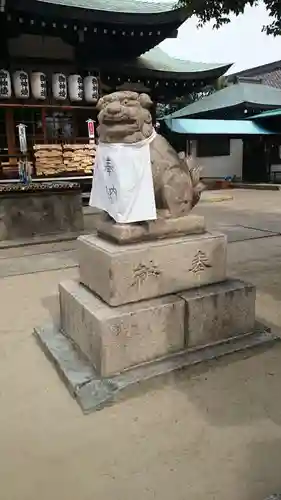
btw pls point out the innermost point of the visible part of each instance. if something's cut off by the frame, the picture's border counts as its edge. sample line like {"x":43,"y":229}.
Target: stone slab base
{"x":121,"y":274}
{"x":151,"y":230}
{"x":94,"y":393}
{"x":115,"y":338}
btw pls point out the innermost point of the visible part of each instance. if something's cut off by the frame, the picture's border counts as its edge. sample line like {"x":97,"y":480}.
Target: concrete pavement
{"x":212,"y":433}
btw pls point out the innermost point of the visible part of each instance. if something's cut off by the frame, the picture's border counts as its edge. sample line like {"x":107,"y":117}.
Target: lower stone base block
{"x":219,"y":311}
{"x":114,"y":339}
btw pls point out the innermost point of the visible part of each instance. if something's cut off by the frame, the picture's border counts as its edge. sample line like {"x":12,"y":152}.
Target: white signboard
{"x":22,"y":137}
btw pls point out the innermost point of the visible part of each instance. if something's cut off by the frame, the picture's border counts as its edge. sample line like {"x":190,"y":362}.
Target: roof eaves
{"x":103,"y":11}
{"x":266,"y":114}
{"x":156,"y":60}
{"x":113,"y":6}
{"x":214,"y":127}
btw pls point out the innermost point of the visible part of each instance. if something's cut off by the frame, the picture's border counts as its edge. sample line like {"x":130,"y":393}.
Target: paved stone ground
{"x":212,"y":433}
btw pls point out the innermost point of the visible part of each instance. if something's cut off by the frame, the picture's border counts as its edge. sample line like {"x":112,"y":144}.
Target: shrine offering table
{"x":40,"y":209}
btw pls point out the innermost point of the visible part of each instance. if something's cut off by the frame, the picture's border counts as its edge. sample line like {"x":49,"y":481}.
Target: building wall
{"x":222,"y":166}
{"x":39,"y":46}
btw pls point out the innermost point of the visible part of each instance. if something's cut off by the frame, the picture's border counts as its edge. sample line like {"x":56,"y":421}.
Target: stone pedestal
{"x":144,"y":309}
{"x":129,"y":273}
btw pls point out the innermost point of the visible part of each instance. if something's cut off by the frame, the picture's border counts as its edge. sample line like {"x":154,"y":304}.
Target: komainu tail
{"x":195,"y":172}
{"x":190,"y":166}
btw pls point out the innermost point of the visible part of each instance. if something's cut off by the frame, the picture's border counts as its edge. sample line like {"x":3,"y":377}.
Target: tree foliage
{"x":164,"y":109}
{"x":219,"y":11}
{"x":179,"y":103}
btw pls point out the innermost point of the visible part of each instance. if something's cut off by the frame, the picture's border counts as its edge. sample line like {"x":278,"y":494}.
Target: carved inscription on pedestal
{"x":199,"y":263}
{"x":121,"y":329}
{"x":143,"y":272}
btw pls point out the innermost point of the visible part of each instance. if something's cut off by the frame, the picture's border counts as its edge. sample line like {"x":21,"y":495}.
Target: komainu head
{"x":124,"y":117}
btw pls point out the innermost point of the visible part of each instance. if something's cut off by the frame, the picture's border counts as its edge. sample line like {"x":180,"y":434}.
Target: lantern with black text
{"x":59,"y":85}
{"x":91,"y":89}
{"x":5,"y":84}
{"x":75,"y":88}
{"x":21,"y":84}
{"x":39,"y":86}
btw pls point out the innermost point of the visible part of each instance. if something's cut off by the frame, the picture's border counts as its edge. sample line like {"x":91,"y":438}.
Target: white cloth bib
{"x":123,"y":183}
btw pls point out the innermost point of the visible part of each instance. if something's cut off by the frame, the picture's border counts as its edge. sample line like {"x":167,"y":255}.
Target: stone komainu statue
{"x":124,"y":117}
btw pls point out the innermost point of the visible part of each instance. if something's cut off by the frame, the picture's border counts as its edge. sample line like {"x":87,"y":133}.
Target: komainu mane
{"x":124,"y":117}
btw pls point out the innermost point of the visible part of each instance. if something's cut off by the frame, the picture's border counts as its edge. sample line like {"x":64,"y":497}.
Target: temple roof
{"x":125,"y":35}
{"x":252,"y":94}
{"x":156,"y":60}
{"x":125,"y":6}
{"x":137,"y":12}
{"x":158,"y":64}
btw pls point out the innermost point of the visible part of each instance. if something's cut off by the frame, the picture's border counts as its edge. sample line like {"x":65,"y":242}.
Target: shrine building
{"x":59,"y":56}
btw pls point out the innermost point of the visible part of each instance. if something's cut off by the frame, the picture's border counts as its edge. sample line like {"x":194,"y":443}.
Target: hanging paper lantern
{"x":5,"y":84}
{"x":75,"y":87}
{"x":21,"y":84}
{"x":59,"y":86}
{"x":39,"y":86}
{"x":91,"y":89}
